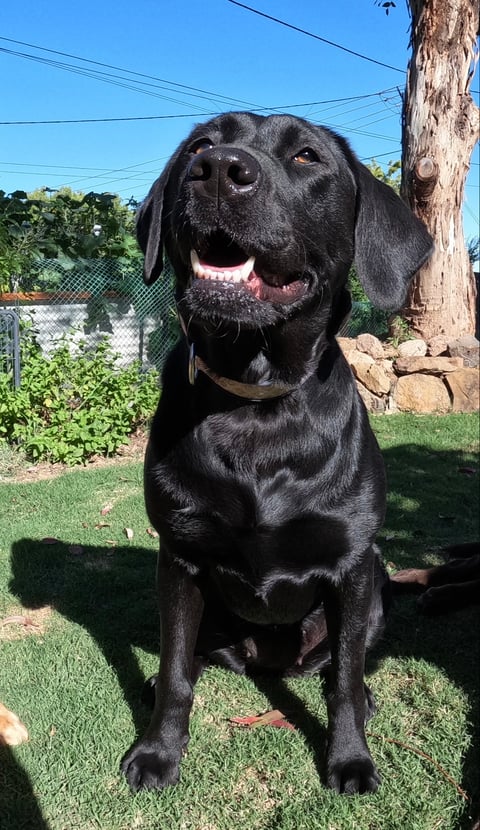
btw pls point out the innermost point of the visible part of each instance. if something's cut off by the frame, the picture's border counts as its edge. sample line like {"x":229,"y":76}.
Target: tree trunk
{"x":439,"y":133}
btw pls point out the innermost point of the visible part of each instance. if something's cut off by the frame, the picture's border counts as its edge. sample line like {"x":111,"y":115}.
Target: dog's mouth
{"x":231,"y":267}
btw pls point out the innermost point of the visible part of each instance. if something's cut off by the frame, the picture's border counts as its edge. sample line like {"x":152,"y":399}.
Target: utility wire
{"x":316,"y":37}
{"x":105,"y":77}
{"x":193,"y":115}
{"x":127,"y":71}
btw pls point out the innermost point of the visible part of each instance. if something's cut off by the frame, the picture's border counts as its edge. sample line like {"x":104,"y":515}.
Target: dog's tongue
{"x":244,"y":274}
{"x":257,"y":286}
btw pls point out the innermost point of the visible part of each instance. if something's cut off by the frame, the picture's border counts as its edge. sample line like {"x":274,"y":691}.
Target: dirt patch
{"x":15,"y":469}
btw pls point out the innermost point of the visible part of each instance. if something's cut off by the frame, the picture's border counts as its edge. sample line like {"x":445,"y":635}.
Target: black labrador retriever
{"x":262,"y":475}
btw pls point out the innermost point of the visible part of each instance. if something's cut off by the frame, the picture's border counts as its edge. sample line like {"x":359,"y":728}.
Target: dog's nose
{"x":224,"y":173}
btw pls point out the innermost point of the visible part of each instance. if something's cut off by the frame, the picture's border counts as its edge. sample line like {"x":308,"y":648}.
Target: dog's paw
{"x":356,"y":776}
{"x":12,"y":730}
{"x":146,"y":767}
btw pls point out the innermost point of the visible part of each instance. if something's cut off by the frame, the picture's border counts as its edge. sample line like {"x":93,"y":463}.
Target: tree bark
{"x":440,"y":128}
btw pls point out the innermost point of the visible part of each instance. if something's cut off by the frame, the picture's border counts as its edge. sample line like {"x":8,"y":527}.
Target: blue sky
{"x":191,"y":59}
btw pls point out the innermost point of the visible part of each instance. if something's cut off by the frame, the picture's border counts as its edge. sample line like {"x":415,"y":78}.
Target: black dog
{"x":262,"y":475}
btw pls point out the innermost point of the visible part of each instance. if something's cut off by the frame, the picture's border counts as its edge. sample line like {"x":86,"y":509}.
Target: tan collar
{"x":250,"y":391}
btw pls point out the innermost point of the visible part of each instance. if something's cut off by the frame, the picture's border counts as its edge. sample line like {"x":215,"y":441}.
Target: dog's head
{"x":262,"y":216}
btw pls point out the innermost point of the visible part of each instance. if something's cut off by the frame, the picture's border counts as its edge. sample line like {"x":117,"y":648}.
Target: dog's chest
{"x":264,"y":513}
{"x":251,"y":506}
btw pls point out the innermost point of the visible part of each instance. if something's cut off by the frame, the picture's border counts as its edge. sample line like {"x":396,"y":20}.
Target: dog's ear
{"x":149,"y":226}
{"x":391,"y":244}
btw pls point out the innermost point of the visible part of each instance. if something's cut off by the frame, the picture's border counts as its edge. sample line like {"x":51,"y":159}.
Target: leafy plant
{"x":61,"y":225}
{"x":74,"y":403}
{"x":399,"y":330}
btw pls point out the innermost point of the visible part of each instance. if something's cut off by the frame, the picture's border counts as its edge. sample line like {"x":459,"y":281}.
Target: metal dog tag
{"x":192,"y":368}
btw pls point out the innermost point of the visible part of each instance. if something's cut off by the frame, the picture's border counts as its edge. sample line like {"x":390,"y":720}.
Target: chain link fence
{"x":10,"y":345}
{"x":91,"y":299}
{"x":365,"y":318}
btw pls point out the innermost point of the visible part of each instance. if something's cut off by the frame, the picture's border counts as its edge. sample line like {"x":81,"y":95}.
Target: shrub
{"x":74,"y":403}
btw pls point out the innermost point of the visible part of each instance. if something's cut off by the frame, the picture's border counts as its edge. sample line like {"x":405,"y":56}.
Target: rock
{"x":467,"y":347}
{"x":464,"y":386}
{"x":372,"y":402}
{"x":357,"y":359}
{"x":347,"y":344}
{"x":390,"y":351}
{"x":371,"y":374}
{"x":378,"y":381}
{"x":371,"y":345}
{"x":412,"y":348}
{"x":361,"y":364}
{"x":437,"y":345}
{"x":387,"y":365}
{"x":421,"y":393}
{"x":427,"y":365}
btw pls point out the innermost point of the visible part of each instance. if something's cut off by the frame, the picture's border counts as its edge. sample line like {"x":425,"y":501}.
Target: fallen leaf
{"x":273,"y":718}
{"x":112,"y":542}
{"x":151,"y":532}
{"x":20,"y":619}
{"x":101,"y":524}
{"x":75,"y":549}
{"x":128,"y":532}
{"x":283,"y":723}
{"x":106,"y":509}
{"x":85,"y":524}
{"x":467,"y":471}
{"x":247,"y":721}
{"x":50,"y":540}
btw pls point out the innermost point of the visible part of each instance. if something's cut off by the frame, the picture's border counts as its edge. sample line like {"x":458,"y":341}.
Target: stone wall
{"x":440,"y":375}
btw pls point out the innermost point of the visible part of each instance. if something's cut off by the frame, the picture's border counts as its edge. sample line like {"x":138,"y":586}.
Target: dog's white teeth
{"x":247,"y":268}
{"x":236,"y":275}
{"x":194,"y":260}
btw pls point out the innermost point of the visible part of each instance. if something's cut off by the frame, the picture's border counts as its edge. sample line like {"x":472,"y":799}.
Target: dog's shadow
{"x":24,"y":810}
{"x":109,"y":592}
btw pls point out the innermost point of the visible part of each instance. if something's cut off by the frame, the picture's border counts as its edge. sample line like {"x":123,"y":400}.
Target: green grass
{"x":75,"y":680}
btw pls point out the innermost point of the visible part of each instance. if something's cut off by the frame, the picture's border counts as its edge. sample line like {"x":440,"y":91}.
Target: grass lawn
{"x":75,"y":672}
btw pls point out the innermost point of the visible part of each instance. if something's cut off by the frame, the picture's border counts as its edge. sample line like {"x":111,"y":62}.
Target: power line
{"x":350,"y":98}
{"x":125,"y":82}
{"x":128,"y":71}
{"x":316,"y":37}
{"x":100,"y":120}
{"x":105,"y":77}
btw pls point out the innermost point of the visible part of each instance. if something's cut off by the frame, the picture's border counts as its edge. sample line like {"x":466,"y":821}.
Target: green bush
{"x":74,"y":403}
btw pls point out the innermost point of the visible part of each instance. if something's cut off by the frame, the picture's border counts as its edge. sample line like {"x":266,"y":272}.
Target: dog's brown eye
{"x":200,"y":146}
{"x":306,"y":156}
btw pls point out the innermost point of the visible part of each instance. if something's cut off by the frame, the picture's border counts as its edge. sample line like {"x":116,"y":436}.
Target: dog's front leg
{"x":350,"y":768}
{"x":153,"y":762}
